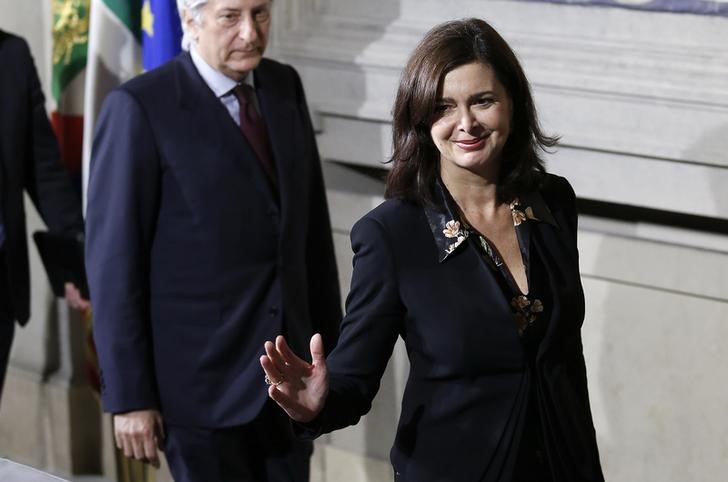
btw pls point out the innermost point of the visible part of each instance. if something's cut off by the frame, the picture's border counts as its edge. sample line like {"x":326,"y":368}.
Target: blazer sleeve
{"x":120,"y":220}
{"x":322,"y":275}
{"x":570,"y":206}
{"x":578,"y":366}
{"x":565,"y":201}
{"x":374,"y":319}
{"x":46,"y":181}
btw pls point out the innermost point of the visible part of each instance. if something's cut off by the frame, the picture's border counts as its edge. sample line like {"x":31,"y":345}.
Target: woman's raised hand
{"x":299,"y":387}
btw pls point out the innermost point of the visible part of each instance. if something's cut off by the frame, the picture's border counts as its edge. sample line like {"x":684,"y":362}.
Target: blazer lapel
{"x":279,"y":114}
{"x":195,"y":95}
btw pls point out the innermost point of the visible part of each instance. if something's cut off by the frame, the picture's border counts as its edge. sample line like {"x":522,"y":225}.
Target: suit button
{"x":273,"y":311}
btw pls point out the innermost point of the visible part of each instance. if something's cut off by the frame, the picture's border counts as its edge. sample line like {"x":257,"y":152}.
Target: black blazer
{"x":192,"y":263}
{"x":30,"y":161}
{"x":469,"y":382}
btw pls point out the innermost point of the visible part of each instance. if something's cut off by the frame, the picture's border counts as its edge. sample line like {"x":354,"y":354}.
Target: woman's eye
{"x":485,"y":101}
{"x":443,"y":108}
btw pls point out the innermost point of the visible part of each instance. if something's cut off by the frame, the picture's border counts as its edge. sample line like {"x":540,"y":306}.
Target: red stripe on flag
{"x":69,"y":132}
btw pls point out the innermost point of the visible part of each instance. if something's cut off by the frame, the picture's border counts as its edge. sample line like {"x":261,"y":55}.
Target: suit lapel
{"x":195,"y":95}
{"x":279,"y":113}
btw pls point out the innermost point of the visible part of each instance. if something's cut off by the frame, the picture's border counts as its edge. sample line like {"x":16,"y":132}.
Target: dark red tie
{"x":254,"y":130}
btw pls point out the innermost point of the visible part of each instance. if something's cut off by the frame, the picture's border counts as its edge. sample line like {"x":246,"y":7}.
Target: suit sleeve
{"x":120,"y":219}
{"x":322,"y":275}
{"x":374,"y":319}
{"x":46,"y":181}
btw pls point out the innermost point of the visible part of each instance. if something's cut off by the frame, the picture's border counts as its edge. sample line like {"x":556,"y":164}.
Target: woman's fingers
{"x":278,"y":393}
{"x":290,"y":405}
{"x":318,"y":357}
{"x":272,"y":375}
{"x":277,"y":365}
{"x":290,"y":359}
{"x":297,"y":386}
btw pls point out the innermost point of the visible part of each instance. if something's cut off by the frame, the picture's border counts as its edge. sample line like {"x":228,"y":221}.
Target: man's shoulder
{"x":278,"y":76}
{"x":273,"y":67}
{"x":155,"y":81}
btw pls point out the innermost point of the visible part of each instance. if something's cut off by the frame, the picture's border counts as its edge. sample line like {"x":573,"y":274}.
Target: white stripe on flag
{"x":114,"y":56}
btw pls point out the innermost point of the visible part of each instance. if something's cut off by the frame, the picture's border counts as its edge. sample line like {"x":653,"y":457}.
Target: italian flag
{"x":70,"y":41}
{"x":114,"y":56}
{"x":95,"y":48}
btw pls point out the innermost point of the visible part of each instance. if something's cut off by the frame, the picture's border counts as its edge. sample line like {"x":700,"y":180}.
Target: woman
{"x":472,"y":260}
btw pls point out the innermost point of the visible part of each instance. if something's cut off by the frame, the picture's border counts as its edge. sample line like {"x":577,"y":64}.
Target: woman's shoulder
{"x":555,"y":185}
{"x":557,"y":192}
{"x":393,"y":215}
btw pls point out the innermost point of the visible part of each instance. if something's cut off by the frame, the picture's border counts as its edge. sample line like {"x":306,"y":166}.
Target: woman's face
{"x":473,"y":120}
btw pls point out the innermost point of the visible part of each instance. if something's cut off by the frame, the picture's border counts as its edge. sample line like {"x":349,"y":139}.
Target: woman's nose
{"x":466,"y":119}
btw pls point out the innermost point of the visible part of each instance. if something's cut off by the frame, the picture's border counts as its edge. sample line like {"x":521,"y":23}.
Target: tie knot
{"x":244,"y":93}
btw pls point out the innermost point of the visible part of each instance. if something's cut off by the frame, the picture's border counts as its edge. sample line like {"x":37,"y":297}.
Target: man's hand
{"x":138,"y":434}
{"x":75,"y":299}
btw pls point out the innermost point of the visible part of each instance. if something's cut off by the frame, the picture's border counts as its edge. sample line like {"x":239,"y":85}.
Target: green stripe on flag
{"x":129,"y":12}
{"x":70,"y":42}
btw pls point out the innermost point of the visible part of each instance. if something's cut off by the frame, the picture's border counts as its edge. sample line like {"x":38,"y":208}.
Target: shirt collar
{"x":219,"y":83}
{"x":449,"y":231}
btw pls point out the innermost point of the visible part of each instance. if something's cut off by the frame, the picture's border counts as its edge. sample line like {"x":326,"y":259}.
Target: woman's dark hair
{"x":416,"y":158}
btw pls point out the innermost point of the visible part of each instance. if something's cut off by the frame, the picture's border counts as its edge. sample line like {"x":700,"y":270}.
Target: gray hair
{"x":193,"y":7}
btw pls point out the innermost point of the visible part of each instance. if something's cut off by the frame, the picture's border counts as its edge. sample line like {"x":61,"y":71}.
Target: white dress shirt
{"x":222,"y":85}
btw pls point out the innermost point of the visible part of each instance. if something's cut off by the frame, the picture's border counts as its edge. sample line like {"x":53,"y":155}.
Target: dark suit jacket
{"x":30,"y":161}
{"x":192,"y":263}
{"x":466,"y":396}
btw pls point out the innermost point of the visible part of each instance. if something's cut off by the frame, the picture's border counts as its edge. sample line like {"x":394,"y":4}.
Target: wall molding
{"x":623,"y":84}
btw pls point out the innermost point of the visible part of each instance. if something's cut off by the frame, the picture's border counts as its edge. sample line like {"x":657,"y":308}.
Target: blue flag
{"x":161,"y":32}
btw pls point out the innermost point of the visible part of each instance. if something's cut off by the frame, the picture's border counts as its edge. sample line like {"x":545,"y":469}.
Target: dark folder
{"x":62,"y":257}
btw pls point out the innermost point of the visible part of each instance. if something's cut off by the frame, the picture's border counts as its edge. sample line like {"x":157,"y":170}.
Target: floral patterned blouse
{"x":528,"y":309}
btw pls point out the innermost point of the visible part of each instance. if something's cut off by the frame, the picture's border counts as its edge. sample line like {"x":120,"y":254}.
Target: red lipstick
{"x":471,"y":145}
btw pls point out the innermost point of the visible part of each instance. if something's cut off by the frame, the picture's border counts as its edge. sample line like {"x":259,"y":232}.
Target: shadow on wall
{"x":655,"y":323}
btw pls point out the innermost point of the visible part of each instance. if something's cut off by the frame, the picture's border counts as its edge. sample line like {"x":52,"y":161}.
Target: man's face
{"x":232,"y":34}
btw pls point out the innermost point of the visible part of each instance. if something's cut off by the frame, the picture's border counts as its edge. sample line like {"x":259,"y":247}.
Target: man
{"x":207,"y":234}
{"x":30,"y":161}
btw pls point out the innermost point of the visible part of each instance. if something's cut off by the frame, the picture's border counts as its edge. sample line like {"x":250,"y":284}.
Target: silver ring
{"x":268,"y":381}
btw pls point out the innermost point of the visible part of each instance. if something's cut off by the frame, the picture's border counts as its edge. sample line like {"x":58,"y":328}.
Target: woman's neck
{"x":475,"y":195}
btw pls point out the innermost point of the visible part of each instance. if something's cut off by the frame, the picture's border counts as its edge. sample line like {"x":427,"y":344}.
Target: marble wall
{"x":641,"y":102}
